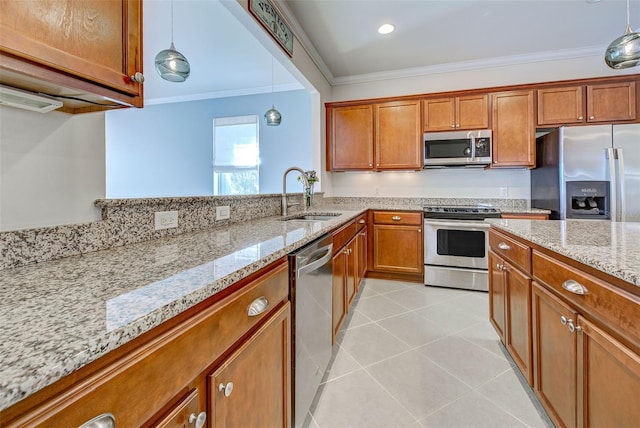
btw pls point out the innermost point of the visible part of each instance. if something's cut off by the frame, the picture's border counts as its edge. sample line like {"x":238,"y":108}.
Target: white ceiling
{"x":430,"y":36}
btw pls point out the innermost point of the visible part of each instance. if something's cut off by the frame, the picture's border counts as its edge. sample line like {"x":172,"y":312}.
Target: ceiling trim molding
{"x":304,"y":41}
{"x":225,"y":94}
{"x":472,"y":65}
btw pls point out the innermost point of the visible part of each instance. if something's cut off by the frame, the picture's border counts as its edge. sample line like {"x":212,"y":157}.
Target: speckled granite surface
{"x":611,"y":247}
{"x":60,"y":315}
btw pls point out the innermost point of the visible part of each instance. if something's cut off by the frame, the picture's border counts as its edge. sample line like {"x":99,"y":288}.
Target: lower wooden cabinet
{"x":251,"y":388}
{"x":184,"y":414}
{"x":497,"y":296}
{"x":397,"y":244}
{"x":555,"y":357}
{"x":339,"y":294}
{"x":361,"y":256}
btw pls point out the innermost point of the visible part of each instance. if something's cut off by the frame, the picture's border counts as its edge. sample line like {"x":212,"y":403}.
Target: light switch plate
{"x":504,"y":192}
{"x":165,"y":219}
{"x":223,"y":213}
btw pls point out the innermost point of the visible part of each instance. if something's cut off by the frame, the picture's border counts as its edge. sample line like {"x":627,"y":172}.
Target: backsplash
{"x":126,"y":221}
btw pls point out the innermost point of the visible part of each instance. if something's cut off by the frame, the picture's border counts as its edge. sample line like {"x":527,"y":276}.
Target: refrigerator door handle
{"x":613,"y":184}
{"x":621,"y":185}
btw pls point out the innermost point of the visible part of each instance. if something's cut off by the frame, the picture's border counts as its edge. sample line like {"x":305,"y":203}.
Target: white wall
{"x":52,"y":168}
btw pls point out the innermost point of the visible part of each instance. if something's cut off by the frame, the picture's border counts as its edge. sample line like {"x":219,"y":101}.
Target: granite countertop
{"x":58,"y":316}
{"x":610,"y":247}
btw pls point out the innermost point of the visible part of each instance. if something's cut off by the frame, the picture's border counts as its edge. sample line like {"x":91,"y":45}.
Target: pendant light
{"x":624,"y":52}
{"x":171,"y":64}
{"x":272,"y":116}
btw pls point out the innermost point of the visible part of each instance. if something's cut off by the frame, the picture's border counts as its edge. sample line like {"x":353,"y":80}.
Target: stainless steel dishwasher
{"x":311,"y":282}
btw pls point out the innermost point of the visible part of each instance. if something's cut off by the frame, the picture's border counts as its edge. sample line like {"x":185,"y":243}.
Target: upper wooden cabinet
{"x":90,"y":46}
{"x":596,"y":103}
{"x":398,"y":136}
{"x":446,"y":114}
{"x":512,"y":116}
{"x":375,"y":137}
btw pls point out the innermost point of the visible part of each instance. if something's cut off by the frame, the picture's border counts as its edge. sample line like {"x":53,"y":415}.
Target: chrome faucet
{"x":284,"y":205}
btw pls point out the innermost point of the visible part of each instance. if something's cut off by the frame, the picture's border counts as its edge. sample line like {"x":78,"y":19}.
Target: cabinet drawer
{"x":517,"y":253}
{"x":344,"y":235}
{"x":151,"y":375}
{"x":602,"y":301}
{"x":398,"y":217}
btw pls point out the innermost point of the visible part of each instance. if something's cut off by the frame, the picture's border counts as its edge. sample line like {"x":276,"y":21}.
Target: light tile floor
{"x":417,"y":356}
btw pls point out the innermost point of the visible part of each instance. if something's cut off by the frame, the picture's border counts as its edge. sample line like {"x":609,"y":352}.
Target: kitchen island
{"x":564,"y":298}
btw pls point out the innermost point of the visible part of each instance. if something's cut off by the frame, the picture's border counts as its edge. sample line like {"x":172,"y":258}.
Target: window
{"x":236,"y":155}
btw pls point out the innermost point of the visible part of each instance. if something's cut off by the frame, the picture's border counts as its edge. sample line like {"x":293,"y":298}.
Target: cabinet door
{"x":608,"y":380}
{"x":351,"y":138}
{"x":398,"y":135}
{"x":513,"y":129}
{"x":439,"y":114}
{"x":518,"y":337}
{"x":181,"y":415}
{"x":361,"y":259}
{"x":472,"y":112}
{"x":397,"y":249}
{"x":555,"y":357}
{"x":97,"y":41}
{"x":559,"y":106}
{"x":339,"y":294}
{"x":497,"y":295}
{"x":252,"y":387}
{"x":351,"y":274}
{"x":611,"y":102}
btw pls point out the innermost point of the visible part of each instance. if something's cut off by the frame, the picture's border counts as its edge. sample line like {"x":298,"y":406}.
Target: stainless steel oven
{"x":456,"y":243}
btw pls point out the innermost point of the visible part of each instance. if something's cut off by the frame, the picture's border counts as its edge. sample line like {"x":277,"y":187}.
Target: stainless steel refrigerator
{"x":588,"y":172}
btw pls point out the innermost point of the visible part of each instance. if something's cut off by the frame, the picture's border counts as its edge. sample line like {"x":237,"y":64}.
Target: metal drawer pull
{"x":396,"y":218}
{"x":228,"y":388}
{"x":199,"y":419}
{"x":563,"y":320}
{"x":504,"y":246}
{"x":574,"y":287}
{"x":362,"y":221}
{"x":105,"y":420}
{"x":258,"y":306}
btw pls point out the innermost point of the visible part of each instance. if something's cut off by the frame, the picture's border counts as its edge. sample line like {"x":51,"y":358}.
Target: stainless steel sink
{"x":312,"y":217}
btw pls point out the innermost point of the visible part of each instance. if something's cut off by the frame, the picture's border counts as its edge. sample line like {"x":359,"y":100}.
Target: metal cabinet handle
{"x":591,"y":117}
{"x":573,"y":328}
{"x":198,"y":419}
{"x":362,"y":221}
{"x":580,"y":118}
{"x":105,"y":420}
{"x":574,"y":287}
{"x":504,"y":246}
{"x":138,"y":77}
{"x":396,"y":218}
{"x":228,"y":388}
{"x":258,"y":306}
{"x":453,"y":125}
{"x":563,"y":320}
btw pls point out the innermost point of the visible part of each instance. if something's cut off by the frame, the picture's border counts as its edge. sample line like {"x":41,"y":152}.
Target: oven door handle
{"x":458,"y":224}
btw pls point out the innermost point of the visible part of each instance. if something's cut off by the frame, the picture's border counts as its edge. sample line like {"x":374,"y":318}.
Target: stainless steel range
{"x":456,"y":241}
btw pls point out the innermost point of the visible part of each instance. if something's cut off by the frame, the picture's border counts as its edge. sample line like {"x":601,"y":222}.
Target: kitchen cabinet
{"x":251,"y":388}
{"x":92,"y":47}
{"x":456,"y":113}
{"x":513,"y":125}
{"x":525,"y":216}
{"x":510,"y":298}
{"x":584,"y":338}
{"x":350,"y":145}
{"x":384,"y":136}
{"x":591,"y":103}
{"x":361,"y":251}
{"x":397,"y":245}
{"x":158,"y":369}
{"x":184,"y":414}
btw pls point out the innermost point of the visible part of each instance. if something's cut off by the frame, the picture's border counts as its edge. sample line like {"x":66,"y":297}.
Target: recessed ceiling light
{"x":386,"y":28}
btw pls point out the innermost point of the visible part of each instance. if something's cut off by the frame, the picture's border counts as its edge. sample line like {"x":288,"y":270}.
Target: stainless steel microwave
{"x":457,"y":148}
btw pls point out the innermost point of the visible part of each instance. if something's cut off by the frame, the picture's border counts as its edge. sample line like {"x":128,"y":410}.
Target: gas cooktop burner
{"x":460,"y":212}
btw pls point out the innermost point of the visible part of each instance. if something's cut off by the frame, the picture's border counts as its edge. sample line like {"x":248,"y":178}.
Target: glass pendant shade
{"x":624,"y":52}
{"x":172,"y":65}
{"x":273,"y":117}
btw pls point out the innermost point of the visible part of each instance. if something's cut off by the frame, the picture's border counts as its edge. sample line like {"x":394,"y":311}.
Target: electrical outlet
{"x":504,"y":192}
{"x":165,"y":219}
{"x":223,"y":213}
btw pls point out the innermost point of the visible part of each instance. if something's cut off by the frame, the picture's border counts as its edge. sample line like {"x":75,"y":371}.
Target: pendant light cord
{"x":172,"y":21}
{"x":272,"y":73}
